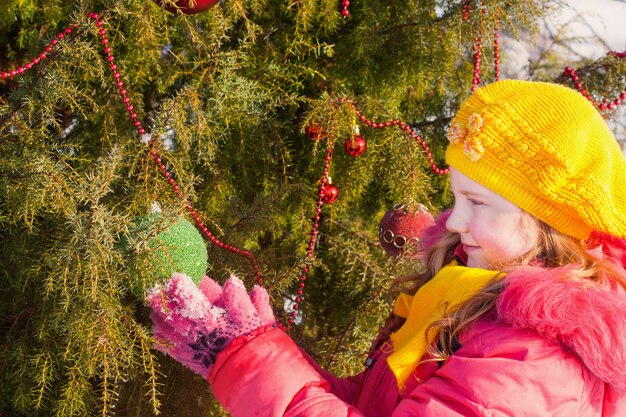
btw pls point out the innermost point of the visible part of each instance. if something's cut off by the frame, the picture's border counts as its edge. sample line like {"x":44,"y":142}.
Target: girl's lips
{"x":469,"y":248}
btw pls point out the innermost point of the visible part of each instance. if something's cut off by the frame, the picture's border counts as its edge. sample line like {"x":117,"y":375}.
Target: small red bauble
{"x":400,"y":229}
{"x":315,"y":132}
{"x":330,"y":193}
{"x":186,"y":6}
{"x":356,"y":146}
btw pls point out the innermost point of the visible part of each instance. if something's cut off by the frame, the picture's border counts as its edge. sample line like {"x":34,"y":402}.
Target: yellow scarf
{"x":444,"y":292}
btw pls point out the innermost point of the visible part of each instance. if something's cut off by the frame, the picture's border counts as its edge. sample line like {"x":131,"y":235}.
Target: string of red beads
{"x":344,"y":8}
{"x":496,"y":51}
{"x":314,"y":232}
{"x":402,"y":126}
{"x":140,"y":130}
{"x":325,"y":180}
{"x":478,"y":51}
{"x":569,"y":71}
{"x":158,"y":160}
{"x":606,"y":103}
{"x":477,"y":47}
{"x":467,"y":8}
{"x":54,"y":43}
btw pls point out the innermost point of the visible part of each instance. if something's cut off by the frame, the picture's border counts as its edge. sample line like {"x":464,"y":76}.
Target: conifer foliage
{"x":225,"y":97}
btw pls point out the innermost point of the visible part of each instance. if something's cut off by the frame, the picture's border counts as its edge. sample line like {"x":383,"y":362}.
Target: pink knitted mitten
{"x":193,"y":325}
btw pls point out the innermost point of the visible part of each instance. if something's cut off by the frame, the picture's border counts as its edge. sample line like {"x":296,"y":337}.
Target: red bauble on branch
{"x":330,"y":193}
{"x":315,"y":132}
{"x":190,"y":6}
{"x":356,"y":146}
{"x":401,"y":228}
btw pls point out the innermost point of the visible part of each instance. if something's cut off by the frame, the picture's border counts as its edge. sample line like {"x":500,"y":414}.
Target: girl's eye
{"x":474,"y":202}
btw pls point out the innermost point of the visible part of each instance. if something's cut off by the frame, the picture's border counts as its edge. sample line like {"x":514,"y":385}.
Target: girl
{"x":521,"y":310}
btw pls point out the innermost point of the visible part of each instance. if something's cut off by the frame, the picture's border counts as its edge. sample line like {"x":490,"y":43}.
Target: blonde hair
{"x":554,"y":249}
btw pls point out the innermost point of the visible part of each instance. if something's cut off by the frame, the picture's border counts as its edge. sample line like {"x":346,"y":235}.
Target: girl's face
{"x":494,"y":232}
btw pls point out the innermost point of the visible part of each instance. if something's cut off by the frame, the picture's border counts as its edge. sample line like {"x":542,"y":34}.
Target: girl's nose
{"x":456,"y":222}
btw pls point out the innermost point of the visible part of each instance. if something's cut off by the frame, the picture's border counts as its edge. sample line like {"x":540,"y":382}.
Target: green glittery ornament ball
{"x":176,"y":247}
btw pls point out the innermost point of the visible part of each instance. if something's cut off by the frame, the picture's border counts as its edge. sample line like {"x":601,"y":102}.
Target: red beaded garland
{"x":318,"y":210}
{"x":42,"y":56}
{"x":344,"y":8}
{"x":496,"y":51}
{"x":402,"y":126}
{"x":328,"y":193}
{"x":157,"y":159}
{"x":467,"y":8}
{"x":478,"y":50}
{"x":617,"y":54}
{"x":606,"y":103}
{"x":140,"y":130}
{"x":477,"y":47}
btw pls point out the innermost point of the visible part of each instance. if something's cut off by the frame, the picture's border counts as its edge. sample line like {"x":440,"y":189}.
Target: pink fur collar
{"x":589,"y":321}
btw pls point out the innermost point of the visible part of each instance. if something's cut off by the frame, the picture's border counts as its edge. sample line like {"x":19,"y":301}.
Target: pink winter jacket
{"x":550,"y":348}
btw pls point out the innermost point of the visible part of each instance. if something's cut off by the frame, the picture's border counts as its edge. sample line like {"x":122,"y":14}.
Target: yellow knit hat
{"x":545,"y":148}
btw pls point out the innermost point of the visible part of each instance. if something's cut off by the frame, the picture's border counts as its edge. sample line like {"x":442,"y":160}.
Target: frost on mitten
{"x":193,"y":325}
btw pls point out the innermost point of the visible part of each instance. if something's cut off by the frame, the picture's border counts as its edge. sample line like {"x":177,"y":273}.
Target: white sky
{"x":605,"y":18}
{"x":595,"y":27}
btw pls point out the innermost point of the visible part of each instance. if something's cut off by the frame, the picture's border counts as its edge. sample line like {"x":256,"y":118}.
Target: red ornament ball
{"x":330,"y":193}
{"x":315,"y":132}
{"x":190,"y":6}
{"x":356,"y":146}
{"x":401,"y":227}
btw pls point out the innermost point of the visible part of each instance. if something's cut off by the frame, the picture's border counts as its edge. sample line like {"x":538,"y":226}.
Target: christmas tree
{"x":121,"y":119}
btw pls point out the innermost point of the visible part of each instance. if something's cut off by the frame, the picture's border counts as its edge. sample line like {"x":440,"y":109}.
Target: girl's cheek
{"x":478,"y":227}
{"x":485,"y":233}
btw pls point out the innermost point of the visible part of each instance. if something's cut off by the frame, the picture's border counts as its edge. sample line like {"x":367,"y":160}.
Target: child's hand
{"x":193,"y":325}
